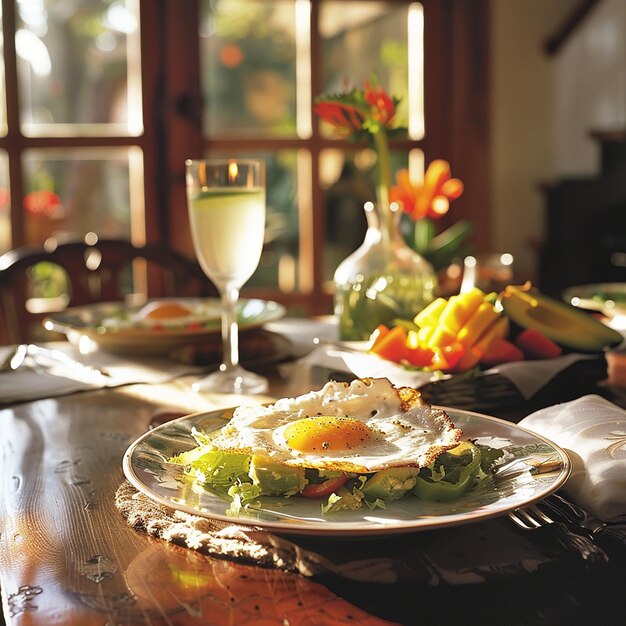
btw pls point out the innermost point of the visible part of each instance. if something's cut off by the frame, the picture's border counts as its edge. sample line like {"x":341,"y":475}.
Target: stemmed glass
{"x":226,"y":202}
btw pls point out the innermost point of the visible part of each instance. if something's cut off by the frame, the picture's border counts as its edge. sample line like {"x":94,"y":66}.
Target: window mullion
{"x":14,"y":141}
{"x":319,"y":216}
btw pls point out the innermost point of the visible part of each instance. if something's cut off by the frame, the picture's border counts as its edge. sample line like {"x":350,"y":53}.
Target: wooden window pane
{"x":71,"y":192}
{"x":78,"y":64}
{"x":371,"y":38}
{"x":248,"y":62}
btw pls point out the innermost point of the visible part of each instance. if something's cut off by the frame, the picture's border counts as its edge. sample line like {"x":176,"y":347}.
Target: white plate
{"x":146,"y":467}
{"x":86,"y":321}
{"x":608,"y":298}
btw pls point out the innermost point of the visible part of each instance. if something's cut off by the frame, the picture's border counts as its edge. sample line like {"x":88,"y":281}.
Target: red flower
{"x":42,"y":202}
{"x":346,"y":118}
{"x":382,"y":105}
{"x":5,"y":198}
{"x":432,"y":197}
{"x":231,"y":55}
{"x":359,"y":112}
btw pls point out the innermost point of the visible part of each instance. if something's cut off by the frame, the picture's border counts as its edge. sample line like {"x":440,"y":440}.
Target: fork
{"x":533,"y":517}
{"x":580,"y":520}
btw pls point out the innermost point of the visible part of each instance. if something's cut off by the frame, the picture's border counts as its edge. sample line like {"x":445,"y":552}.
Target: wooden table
{"x":68,"y":557}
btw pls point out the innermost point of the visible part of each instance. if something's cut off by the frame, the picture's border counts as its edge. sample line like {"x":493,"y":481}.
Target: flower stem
{"x":381,"y":145}
{"x":384,"y":168}
{"x":423,"y":233}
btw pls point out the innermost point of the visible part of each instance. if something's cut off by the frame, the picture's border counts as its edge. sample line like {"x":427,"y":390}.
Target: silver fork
{"x":532,"y":517}
{"x":580,"y":520}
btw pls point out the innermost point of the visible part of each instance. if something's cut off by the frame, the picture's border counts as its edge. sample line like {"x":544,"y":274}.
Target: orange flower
{"x":431,"y":198}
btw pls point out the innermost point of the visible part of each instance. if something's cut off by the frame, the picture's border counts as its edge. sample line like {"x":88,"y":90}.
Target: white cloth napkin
{"x":305,"y":334}
{"x":32,"y":384}
{"x":527,"y":376}
{"x":593,"y":432}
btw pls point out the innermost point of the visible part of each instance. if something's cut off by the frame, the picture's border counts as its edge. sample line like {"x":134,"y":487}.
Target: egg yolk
{"x":167,"y":310}
{"x":326,"y":433}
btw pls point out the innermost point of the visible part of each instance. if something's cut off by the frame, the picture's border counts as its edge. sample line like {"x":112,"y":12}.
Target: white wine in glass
{"x":226,"y":202}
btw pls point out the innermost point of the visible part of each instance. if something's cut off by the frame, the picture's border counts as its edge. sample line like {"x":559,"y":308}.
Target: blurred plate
{"x":607,"y":298}
{"x":256,"y":347}
{"x":96,"y":322}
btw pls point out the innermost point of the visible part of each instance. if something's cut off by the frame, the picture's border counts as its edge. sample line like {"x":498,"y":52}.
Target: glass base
{"x":236,"y":381}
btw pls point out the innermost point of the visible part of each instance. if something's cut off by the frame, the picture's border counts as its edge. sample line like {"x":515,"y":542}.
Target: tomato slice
{"x":324,"y":489}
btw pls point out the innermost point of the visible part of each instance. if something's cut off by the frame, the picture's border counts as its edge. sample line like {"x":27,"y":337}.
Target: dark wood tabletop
{"x":67,"y":555}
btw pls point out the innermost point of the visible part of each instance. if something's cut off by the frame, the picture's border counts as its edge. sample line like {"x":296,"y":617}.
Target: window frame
{"x":456,"y":89}
{"x":456,"y":47}
{"x":15,"y":143}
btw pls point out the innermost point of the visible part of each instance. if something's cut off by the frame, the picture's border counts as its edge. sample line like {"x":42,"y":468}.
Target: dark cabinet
{"x":586,"y":224}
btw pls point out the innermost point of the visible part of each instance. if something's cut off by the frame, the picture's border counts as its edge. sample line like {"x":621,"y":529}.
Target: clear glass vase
{"x":382,"y":280}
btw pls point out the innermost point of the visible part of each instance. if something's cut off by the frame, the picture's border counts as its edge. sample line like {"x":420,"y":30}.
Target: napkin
{"x":305,"y":334}
{"x":109,"y":370}
{"x":352,"y":357}
{"x":593,"y":432}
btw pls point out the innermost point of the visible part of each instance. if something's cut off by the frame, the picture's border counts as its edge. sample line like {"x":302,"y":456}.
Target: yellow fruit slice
{"x":440,"y":337}
{"x":475,"y":326}
{"x":459,"y":310}
{"x":429,"y":316}
{"x":499,"y":329}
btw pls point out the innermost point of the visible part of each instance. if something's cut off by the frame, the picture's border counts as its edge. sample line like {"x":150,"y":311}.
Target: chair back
{"x":35,"y":281}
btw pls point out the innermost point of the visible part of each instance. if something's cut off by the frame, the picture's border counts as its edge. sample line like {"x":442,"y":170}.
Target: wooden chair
{"x":86,"y":272}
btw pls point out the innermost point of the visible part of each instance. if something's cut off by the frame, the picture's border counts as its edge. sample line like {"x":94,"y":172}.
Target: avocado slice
{"x":390,"y":484}
{"x":561,"y":322}
{"x":275,"y":479}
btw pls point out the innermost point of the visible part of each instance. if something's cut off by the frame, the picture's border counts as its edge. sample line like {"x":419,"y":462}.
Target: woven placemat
{"x":447,"y":556}
{"x":245,"y":544}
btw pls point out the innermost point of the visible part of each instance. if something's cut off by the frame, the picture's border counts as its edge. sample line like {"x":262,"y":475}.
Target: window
{"x":103,"y":100}
{"x":71,"y":144}
{"x":262,"y":65}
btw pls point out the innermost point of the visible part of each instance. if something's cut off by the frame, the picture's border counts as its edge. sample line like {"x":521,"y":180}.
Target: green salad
{"x":243,"y":479}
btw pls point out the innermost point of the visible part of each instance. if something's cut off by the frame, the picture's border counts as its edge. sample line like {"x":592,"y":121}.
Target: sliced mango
{"x":498,"y":329}
{"x":459,"y":310}
{"x":425,"y":333}
{"x":429,"y":316}
{"x":477,"y":324}
{"x":440,"y":337}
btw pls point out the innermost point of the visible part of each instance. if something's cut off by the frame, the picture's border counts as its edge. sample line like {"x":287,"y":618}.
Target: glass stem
{"x":230,"y":329}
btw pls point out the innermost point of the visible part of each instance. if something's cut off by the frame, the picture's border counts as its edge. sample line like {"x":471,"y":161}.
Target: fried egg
{"x":365,"y":426}
{"x":162,"y":314}
{"x":167,"y":313}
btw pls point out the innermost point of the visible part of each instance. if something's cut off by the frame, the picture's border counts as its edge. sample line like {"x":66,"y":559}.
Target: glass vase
{"x":383,"y":279}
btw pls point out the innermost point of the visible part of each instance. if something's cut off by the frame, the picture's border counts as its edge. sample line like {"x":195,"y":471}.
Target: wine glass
{"x":226,"y":202}
{"x":489,"y":272}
